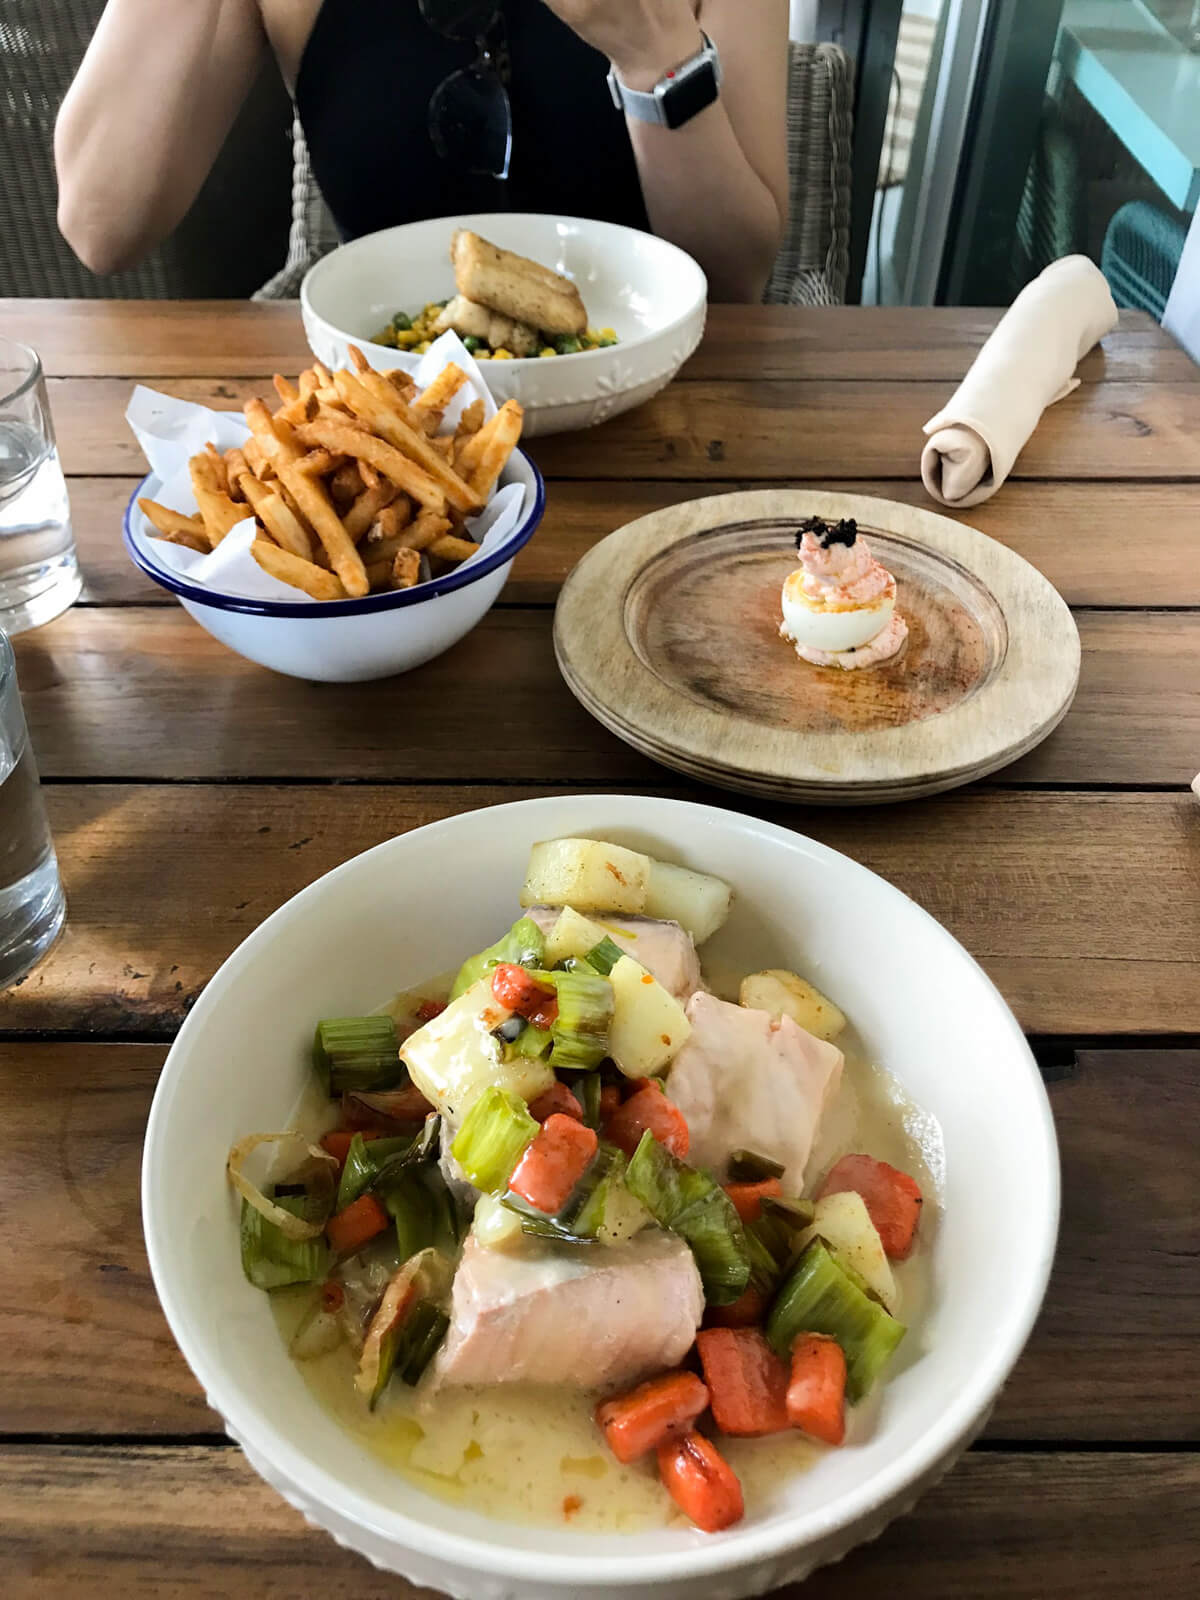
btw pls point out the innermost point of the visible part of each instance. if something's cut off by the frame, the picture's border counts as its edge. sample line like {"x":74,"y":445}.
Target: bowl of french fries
{"x":355,"y":528}
{"x":577,"y":320}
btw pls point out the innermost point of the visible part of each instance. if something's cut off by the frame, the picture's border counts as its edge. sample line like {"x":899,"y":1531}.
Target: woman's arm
{"x":145,"y":118}
{"x":718,"y":185}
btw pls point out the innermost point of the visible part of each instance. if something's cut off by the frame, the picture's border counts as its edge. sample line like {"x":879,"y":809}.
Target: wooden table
{"x":190,"y":793}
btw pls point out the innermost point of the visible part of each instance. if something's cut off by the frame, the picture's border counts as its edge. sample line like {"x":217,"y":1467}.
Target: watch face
{"x":685,"y":96}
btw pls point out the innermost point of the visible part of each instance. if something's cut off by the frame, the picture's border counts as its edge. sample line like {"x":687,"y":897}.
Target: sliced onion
{"x":318,"y":1174}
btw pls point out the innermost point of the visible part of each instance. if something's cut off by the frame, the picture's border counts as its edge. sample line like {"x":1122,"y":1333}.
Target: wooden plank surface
{"x":1044,"y":891}
{"x":155,"y":339}
{"x":197,"y":1522}
{"x":203,"y":712}
{"x":1115,"y":1355}
{"x":1079,"y":535}
{"x":716,"y":429}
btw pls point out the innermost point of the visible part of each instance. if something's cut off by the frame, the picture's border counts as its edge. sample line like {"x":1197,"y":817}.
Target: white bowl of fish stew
{"x":937,"y":1082}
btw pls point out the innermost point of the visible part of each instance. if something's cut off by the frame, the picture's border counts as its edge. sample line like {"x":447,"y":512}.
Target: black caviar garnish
{"x":843,"y":532}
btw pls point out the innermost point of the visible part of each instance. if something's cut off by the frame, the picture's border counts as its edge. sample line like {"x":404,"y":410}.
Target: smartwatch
{"x":677,"y":97}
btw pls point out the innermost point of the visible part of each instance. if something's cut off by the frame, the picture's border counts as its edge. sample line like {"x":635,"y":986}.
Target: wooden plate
{"x":668,"y":632}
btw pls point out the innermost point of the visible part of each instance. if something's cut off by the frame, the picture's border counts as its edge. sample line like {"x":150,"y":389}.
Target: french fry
{"x":368,"y":474}
{"x":257,"y":460}
{"x":367,"y":507}
{"x":286,"y":391}
{"x":220,"y":513}
{"x":403,"y":382}
{"x":273,"y":437}
{"x":433,"y":400}
{"x":218,"y":461}
{"x":373,"y":401}
{"x":444,"y":445}
{"x":471,"y":419}
{"x":390,"y":520}
{"x":323,"y":376}
{"x":346,"y":484}
{"x":170,"y":523}
{"x":282,"y":564}
{"x":358,"y":360}
{"x":448,"y":548}
{"x":494,"y":443}
{"x":191,"y":541}
{"x":406,"y":568}
{"x":379,"y":574}
{"x":320,"y":463}
{"x":352,"y":441}
{"x":426,"y":527}
{"x":384,"y":551}
{"x":278,"y":518}
{"x":314,"y":502}
{"x":307,"y":383}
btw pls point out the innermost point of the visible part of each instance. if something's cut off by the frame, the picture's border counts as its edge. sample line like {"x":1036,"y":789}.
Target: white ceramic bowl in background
{"x":347,"y":641}
{"x":651,"y":293}
{"x":411,"y":907}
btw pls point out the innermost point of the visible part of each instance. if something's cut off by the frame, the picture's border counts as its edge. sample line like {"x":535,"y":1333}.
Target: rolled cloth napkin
{"x":1026,"y":365}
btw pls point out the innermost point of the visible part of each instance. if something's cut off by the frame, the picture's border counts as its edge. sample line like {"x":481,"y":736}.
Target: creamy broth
{"x":534,"y":1455}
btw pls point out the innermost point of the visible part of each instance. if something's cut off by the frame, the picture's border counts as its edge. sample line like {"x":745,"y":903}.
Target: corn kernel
{"x":502,"y":354}
{"x":483,"y":355}
{"x":549,"y":350}
{"x":608,"y":333}
{"x":423,"y":346}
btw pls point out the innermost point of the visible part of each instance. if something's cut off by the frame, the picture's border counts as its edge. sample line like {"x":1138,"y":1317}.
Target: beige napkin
{"x":1026,"y":365}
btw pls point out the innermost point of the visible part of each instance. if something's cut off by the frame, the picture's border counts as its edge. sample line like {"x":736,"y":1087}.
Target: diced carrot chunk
{"x":557,"y":1098}
{"x":701,"y":1482}
{"x":648,"y":1108}
{"x":356,"y":1224}
{"x":517,"y":988}
{"x":554,"y":1163}
{"x":746,"y":1380}
{"x":337,"y":1143}
{"x":748,"y":1197}
{"x":635,"y":1423}
{"x":892,"y":1198}
{"x":816,"y":1396}
{"x":748,"y":1311}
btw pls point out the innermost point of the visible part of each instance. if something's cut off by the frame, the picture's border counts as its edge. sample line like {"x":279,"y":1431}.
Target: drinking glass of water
{"x":39,"y":576}
{"x":32,"y":907}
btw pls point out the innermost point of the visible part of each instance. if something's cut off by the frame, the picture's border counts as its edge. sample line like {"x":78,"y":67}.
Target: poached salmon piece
{"x":745,"y":1080}
{"x":663,"y":948}
{"x":587,"y":1318}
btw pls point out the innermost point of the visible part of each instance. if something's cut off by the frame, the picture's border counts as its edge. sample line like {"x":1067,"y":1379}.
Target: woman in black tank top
{"x":372,"y":153}
{"x":162,"y":81}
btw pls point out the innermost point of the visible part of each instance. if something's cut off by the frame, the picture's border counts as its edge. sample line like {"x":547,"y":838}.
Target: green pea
{"x":567,"y":345}
{"x":401,"y":322}
{"x":472,"y":343}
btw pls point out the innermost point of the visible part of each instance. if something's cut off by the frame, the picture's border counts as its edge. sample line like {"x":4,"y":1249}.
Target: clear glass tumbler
{"x":32,"y":908}
{"x":39,"y":576}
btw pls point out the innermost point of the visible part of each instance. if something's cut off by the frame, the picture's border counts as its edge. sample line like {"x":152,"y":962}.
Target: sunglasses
{"x":470,"y":116}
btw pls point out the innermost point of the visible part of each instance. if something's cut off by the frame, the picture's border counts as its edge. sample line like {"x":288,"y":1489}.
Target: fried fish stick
{"x":515,"y":286}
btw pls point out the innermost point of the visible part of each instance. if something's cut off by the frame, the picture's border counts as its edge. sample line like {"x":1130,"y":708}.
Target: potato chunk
{"x":698,"y":902}
{"x":843,"y":1221}
{"x":587,"y":875}
{"x":785,"y":994}
{"x":572,"y":935}
{"x":648,"y":1025}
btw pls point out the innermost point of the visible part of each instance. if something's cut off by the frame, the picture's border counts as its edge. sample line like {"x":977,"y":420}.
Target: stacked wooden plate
{"x":668,"y":632}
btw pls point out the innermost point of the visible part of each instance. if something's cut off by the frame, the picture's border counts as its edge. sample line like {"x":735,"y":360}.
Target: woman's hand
{"x":643,"y":39}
